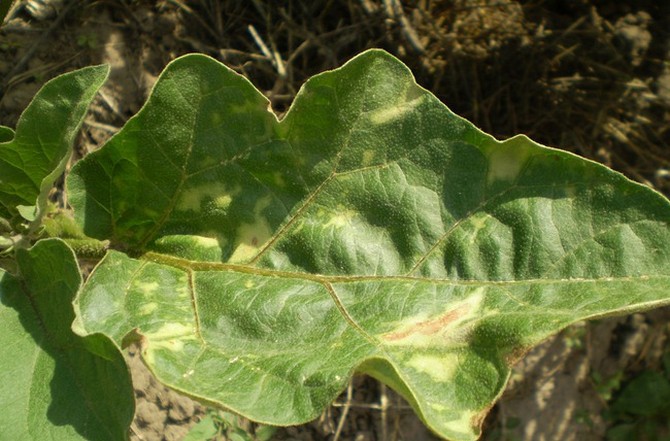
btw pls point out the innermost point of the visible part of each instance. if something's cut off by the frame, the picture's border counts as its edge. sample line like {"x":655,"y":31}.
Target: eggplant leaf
{"x":35,"y":156}
{"x":54,"y":384}
{"x":370,"y":230}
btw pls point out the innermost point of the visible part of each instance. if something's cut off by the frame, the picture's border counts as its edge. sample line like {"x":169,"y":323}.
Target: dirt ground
{"x":591,"y":77}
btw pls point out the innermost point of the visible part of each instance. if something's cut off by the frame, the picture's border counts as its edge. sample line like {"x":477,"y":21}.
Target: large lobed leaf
{"x":35,"y":156}
{"x":371,"y":230}
{"x":55,"y":385}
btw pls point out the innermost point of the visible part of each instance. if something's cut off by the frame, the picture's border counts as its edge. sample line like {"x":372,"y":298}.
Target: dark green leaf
{"x":648,"y":394}
{"x":6,"y":134}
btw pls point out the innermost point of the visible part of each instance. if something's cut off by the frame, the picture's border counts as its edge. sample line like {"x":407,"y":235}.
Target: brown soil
{"x":590,"y":77}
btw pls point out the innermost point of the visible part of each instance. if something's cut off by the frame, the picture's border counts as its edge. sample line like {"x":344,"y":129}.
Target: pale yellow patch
{"x":478,"y":222}
{"x":148,"y":288}
{"x":249,"y":284}
{"x":170,"y":331}
{"x":441,"y":369}
{"x":299,"y":226}
{"x":170,"y":336}
{"x":213,"y":239}
{"x":191,"y":199}
{"x":391,"y":113}
{"x":148,"y":308}
{"x":223,"y":202}
{"x":368,"y":157}
{"x":506,"y":162}
{"x":462,"y":424}
{"x":172,"y":345}
{"x":441,"y":330}
{"x":250,"y":238}
{"x":206,"y":242}
{"x":341,"y":218}
{"x":182,"y":287}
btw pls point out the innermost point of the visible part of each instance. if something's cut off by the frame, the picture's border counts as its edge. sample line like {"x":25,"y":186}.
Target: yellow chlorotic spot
{"x":171,"y":331}
{"x":172,"y":345}
{"x":223,"y":202}
{"x":478,"y":222}
{"x":251,"y":237}
{"x":440,"y":369}
{"x":148,"y":308}
{"x":182,"y":286}
{"x":441,"y":330}
{"x":206,"y":242}
{"x":148,"y":288}
{"x":170,"y":336}
{"x":342,"y":218}
{"x":191,"y":199}
{"x":506,"y":161}
{"x":389,"y":114}
{"x":463,"y":424}
{"x":249,"y":284}
{"x":368,"y":157}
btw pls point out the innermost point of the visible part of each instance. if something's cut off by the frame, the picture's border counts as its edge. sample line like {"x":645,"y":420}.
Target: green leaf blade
{"x":175,"y":157}
{"x":33,"y":158}
{"x":6,"y":134}
{"x":370,"y":230}
{"x":54,"y":384}
{"x":192,"y":339}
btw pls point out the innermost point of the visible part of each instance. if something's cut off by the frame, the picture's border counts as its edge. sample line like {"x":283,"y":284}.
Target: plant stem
{"x":88,"y":248}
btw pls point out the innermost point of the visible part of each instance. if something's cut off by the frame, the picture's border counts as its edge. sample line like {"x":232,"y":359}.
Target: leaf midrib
{"x":191,"y":265}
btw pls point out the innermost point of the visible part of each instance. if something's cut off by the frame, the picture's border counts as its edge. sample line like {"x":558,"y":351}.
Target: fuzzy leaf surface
{"x":35,"y":156}
{"x":371,"y":230}
{"x":54,"y":384}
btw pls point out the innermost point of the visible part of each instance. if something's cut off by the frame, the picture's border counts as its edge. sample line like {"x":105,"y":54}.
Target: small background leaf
{"x":205,"y":429}
{"x":32,"y":160}
{"x":647,"y":395}
{"x":54,"y":384}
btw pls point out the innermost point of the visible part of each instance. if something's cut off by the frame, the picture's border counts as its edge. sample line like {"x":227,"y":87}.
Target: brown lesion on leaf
{"x":477,"y":420}
{"x":516,"y":354}
{"x":431,"y":326}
